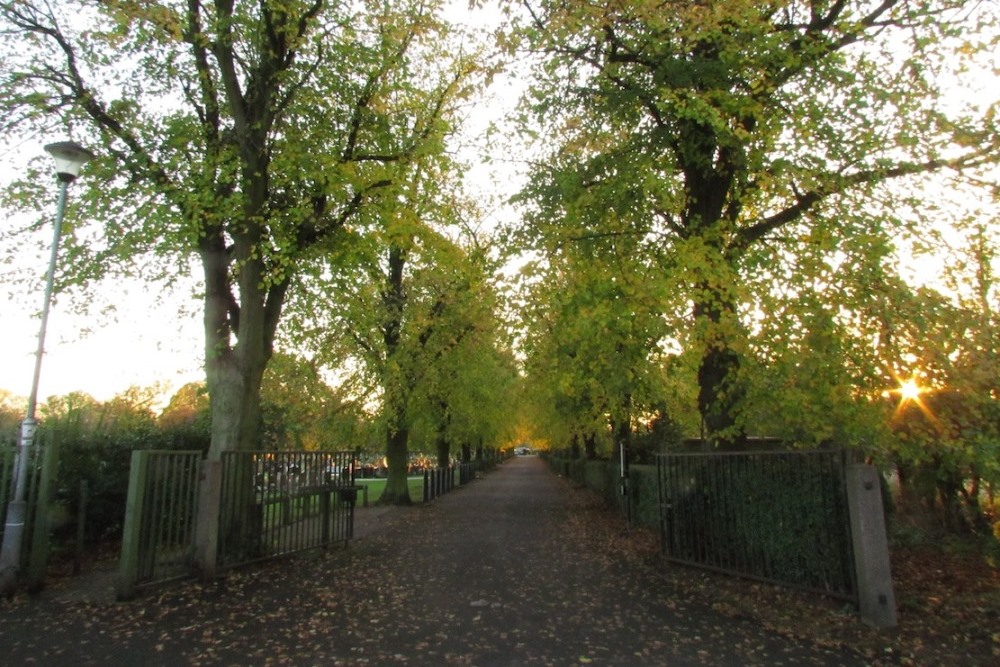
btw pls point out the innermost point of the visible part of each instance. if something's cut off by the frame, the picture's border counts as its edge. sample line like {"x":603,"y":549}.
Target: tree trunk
{"x":443,"y":452}
{"x":397,"y":488}
{"x":719,"y":392}
{"x":718,"y":396}
{"x":621,"y":428}
{"x":234,"y":372}
{"x":574,"y":447}
{"x":234,"y":395}
{"x":443,"y":446}
{"x":396,"y":386}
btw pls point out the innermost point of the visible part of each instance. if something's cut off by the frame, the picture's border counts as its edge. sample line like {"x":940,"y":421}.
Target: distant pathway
{"x":514,"y":569}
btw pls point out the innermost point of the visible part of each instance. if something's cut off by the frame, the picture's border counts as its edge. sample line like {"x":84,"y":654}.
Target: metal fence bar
{"x":439,"y":481}
{"x":774,"y":516}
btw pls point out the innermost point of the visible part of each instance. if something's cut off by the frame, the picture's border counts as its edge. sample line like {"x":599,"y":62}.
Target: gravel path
{"x":518,"y":568}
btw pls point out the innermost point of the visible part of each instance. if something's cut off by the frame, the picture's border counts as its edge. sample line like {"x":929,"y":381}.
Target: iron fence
{"x":160,"y":516}
{"x":43,"y":445}
{"x":466,"y":472}
{"x":437,"y":482}
{"x":775,"y":516}
{"x":275,"y":503}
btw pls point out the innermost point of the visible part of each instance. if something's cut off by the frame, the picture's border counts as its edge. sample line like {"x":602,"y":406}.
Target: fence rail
{"x":466,"y":472}
{"x":270,"y":504}
{"x":439,"y":481}
{"x":775,"y":516}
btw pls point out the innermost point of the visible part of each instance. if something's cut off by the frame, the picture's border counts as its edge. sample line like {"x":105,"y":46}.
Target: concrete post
{"x":206,"y":536}
{"x":41,"y":540}
{"x":128,"y":564}
{"x":877,"y":604}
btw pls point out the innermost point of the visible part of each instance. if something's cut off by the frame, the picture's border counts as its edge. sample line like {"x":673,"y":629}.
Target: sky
{"x":146,"y":341}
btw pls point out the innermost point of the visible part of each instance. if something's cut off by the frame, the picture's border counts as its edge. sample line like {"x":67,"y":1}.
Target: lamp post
{"x":69,"y":157}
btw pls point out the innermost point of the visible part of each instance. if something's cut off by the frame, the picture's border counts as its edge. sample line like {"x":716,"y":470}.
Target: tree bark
{"x":397,"y":488}
{"x":443,"y":446}
{"x":719,"y":394}
{"x":396,"y":389}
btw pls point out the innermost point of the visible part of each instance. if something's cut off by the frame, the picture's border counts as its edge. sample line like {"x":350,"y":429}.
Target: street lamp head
{"x":69,"y":156}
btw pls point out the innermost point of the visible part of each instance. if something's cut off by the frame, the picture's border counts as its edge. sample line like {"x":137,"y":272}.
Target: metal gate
{"x":160,"y":515}
{"x":275,"y":503}
{"x":781,"y":517}
{"x":270,"y":504}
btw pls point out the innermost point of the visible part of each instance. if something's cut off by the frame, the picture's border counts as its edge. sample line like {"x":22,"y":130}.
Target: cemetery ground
{"x":519,"y":568}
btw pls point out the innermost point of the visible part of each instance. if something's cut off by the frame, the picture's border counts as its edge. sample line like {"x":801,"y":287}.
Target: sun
{"x":909,"y":390}
{"x":911,"y":393}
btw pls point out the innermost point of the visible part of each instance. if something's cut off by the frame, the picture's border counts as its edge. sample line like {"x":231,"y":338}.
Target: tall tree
{"x":737,"y":124}
{"x":249,"y":135}
{"x":592,"y":326}
{"x":409,"y":298}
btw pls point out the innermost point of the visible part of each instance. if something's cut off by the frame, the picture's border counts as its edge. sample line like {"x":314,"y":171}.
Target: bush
{"x":103,"y":460}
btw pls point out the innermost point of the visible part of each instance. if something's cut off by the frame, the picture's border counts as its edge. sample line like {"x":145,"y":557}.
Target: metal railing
{"x":276,"y":503}
{"x":466,"y":472}
{"x":437,"y":482}
{"x":270,"y":504}
{"x":160,"y":516}
{"x":774,"y":516}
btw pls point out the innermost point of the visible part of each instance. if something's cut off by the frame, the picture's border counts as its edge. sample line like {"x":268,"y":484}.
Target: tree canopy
{"x":746,"y":148}
{"x":248,"y":135}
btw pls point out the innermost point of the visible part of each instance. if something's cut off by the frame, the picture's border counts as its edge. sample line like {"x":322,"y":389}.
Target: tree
{"x":724,"y":127}
{"x":394,"y":321}
{"x":11,"y":414}
{"x":248,"y":135}
{"x":186,"y":408}
{"x":301,"y":411}
{"x":592,"y":329}
{"x":466,"y":392}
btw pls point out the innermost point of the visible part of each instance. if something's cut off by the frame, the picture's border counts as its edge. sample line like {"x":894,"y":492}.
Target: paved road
{"x":514,"y":569}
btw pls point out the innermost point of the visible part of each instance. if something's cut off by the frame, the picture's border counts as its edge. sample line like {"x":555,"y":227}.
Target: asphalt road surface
{"x":517,"y":568}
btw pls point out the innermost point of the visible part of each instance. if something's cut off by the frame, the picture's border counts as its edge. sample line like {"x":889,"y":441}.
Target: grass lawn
{"x":377,"y":486}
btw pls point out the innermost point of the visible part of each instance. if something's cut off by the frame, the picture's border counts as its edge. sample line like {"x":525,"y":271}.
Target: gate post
{"x":128,"y":567}
{"x":41,"y":539}
{"x":206,"y":535}
{"x":876,"y":602}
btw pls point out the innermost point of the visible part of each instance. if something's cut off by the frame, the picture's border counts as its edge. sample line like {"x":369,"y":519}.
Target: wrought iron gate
{"x":775,"y":516}
{"x":160,"y":514}
{"x":270,"y":504}
{"x":275,"y":503}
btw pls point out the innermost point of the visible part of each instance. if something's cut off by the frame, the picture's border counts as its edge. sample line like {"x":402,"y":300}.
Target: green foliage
{"x":743,"y":160}
{"x":410,"y":316}
{"x":644,"y":496}
{"x":300,"y":411}
{"x":252,"y":136}
{"x":11,"y":414}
